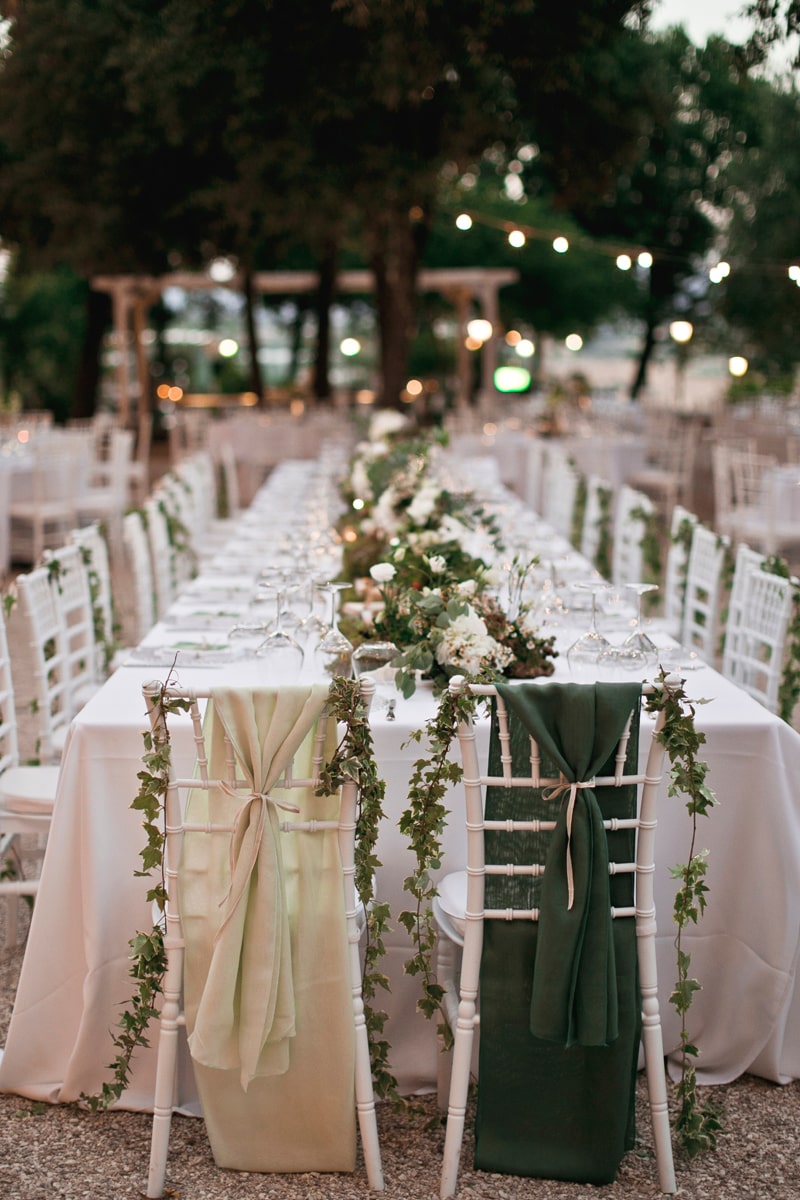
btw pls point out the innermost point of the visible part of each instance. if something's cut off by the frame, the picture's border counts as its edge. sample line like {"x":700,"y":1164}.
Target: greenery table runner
{"x":560,"y":1105}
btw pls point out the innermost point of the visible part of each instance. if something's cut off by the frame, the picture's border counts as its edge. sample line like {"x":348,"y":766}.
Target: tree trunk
{"x":87,"y":378}
{"x":645,"y":354}
{"x":394,"y":258}
{"x":328,"y":267}
{"x":255,"y":382}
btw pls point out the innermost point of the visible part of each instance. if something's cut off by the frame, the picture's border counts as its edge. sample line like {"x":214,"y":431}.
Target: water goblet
{"x":283,"y":651}
{"x":334,"y":651}
{"x":585,"y":653}
{"x":638,"y":651}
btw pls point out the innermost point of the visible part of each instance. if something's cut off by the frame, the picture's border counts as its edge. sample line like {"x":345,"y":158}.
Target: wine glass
{"x":585,"y":653}
{"x":334,"y":651}
{"x":283,"y":651}
{"x":638,"y":650}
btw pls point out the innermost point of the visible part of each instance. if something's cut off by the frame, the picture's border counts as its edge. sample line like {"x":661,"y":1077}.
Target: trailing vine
{"x":683,"y":537}
{"x":578,"y":509}
{"x":789,"y":690}
{"x":697,"y":1124}
{"x":354,"y":759}
{"x":602,"y":558}
{"x":148,"y":956}
{"x":423,"y":823}
{"x":651,"y":549}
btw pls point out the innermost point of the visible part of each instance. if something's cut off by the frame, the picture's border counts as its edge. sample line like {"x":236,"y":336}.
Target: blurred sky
{"x":700,"y":18}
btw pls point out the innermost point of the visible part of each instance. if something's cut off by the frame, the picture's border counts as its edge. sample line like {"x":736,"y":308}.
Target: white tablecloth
{"x":74,"y":980}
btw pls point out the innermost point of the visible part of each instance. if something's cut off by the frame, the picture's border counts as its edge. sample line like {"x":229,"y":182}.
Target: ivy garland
{"x":578,"y":509}
{"x":683,"y":537}
{"x":651,"y":549}
{"x":148,"y":957}
{"x":697,"y":1124}
{"x":354,"y":758}
{"x":423,"y":823}
{"x":602,"y":558}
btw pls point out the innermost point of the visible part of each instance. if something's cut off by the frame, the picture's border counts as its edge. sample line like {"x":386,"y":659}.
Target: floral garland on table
{"x":353,"y":759}
{"x":394,"y":491}
{"x":697,"y":1124}
{"x":434,"y":607}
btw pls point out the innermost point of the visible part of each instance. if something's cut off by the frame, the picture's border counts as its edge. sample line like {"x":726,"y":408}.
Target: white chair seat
{"x":29,"y":790}
{"x":452,"y":901}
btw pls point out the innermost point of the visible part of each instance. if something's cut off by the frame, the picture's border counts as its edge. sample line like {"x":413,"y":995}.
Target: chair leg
{"x":365,"y":1101}
{"x":164,"y":1098}
{"x":654,"y":1066}
{"x":459,"y":1090}
{"x":446,"y":956}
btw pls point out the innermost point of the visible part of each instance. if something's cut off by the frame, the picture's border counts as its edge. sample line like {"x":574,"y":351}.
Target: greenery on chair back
{"x":354,"y":759}
{"x":423,"y":822}
{"x":789,"y":690}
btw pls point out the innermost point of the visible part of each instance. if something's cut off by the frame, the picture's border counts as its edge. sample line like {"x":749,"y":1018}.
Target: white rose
{"x":468,"y":587}
{"x":382,"y":572}
{"x":437,"y":563}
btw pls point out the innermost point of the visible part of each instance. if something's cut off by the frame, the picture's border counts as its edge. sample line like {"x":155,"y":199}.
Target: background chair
{"x":633,"y":509}
{"x":682,"y":524}
{"x":137,"y":548}
{"x":559,"y":489}
{"x":42,"y":519}
{"x":297,"y":751}
{"x":27,"y":794}
{"x":106,"y":499}
{"x":504,"y":884}
{"x":701,"y":615}
{"x":44,"y":631}
{"x":756,"y":640}
{"x":597,"y":492}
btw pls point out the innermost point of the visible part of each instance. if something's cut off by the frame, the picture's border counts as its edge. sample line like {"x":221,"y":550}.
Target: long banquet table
{"x":74,"y":979}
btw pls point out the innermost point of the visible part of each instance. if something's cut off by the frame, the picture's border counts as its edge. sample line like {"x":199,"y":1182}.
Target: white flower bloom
{"x":437,"y":563}
{"x":359,"y":481}
{"x":467,"y":587}
{"x":386,"y":422}
{"x":423,"y":504}
{"x":382,"y":572}
{"x":451,"y":529}
{"x":467,"y":645}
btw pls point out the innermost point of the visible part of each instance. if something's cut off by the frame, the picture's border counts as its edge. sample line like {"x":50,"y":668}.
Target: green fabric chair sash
{"x":559,"y":998}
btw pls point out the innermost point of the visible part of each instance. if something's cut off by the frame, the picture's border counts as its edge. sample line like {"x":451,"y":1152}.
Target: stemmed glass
{"x":334,"y":651}
{"x":638,"y":650}
{"x":585,"y":653}
{"x":283,"y":651}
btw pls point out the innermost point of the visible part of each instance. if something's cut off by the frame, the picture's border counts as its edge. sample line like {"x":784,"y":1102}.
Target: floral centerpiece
{"x":436,"y":606}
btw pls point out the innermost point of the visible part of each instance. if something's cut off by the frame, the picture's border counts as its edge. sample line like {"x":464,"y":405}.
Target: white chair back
{"x":633,"y":509}
{"x":559,"y":490}
{"x":599,"y":496}
{"x":755,"y":644}
{"x":139,"y":561}
{"x":681,"y":529}
{"x":460,"y":909}
{"x":51,"y":686}
{"x":700,"y":628}
{"x":72,"y":593}
{"x":181,"y":794}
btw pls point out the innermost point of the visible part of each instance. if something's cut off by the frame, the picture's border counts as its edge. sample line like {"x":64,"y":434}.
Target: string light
{"x":560,"y":245}
{"x":624,"y":262}
{"x":516,"y":239}
{"x":463,"y":221}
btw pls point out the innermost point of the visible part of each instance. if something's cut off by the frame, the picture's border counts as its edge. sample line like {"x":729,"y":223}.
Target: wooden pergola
{"x":132,"y":296}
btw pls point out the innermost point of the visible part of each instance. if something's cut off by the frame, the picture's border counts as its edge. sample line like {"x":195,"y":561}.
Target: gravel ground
{"x":49,"y":1151}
